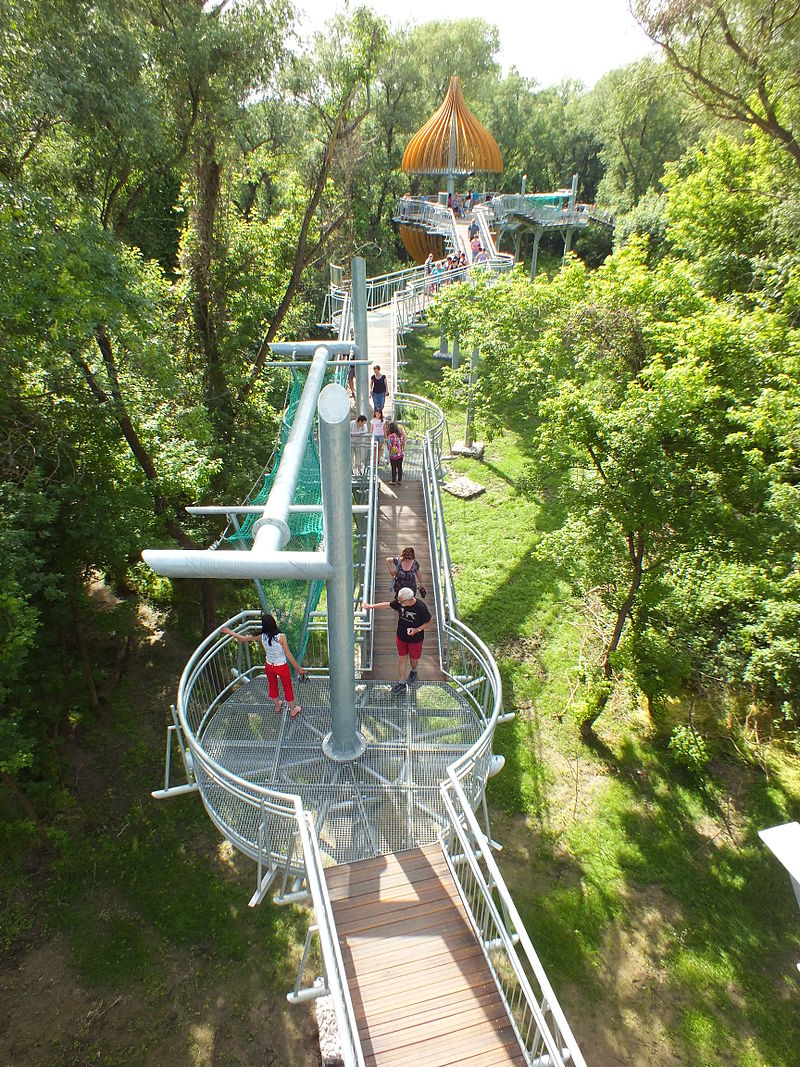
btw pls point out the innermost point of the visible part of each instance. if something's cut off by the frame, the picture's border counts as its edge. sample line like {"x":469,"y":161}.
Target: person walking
{"x":378,"y":429}
{"x":359,"y":443}
{"x":413,"y":619}
{"x":405,"y":571}
{"x":396,"y":446}
{"x":378,"y":388}
{"x":277,"y":660}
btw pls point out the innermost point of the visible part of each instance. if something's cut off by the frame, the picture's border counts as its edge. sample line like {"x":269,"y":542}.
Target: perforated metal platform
{"x":386,"y":801}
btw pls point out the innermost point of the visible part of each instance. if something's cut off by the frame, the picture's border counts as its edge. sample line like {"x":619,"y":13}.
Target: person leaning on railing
{"x":278,"y":657}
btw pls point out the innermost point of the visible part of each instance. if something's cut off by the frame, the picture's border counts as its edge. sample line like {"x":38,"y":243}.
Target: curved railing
{"x":498,"y":261}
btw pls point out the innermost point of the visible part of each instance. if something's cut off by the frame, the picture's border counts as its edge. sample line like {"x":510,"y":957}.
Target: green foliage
{"x":688,"y":749}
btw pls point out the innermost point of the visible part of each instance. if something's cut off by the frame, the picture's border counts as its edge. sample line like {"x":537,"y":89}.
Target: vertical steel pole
{"x":358,"y":277}
{"x":473,"y":374}
{"x":537,"y":236}
{"x":344,"y":742}
{"x":443,"y":347}
{"x":455,"y":359}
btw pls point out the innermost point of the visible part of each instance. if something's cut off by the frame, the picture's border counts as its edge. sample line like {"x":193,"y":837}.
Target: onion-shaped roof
{"x":452,"y":141}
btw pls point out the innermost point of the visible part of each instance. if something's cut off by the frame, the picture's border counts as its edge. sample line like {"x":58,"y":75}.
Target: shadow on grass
{"x":728,"y":949}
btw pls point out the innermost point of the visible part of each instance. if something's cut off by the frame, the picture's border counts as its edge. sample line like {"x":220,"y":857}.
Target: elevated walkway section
{"x":401,"y":523}
{"x":421,"y":988}
{"x":386,"y":801}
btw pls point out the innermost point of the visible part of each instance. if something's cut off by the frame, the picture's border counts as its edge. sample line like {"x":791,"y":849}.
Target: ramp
{"x":421,"y":988}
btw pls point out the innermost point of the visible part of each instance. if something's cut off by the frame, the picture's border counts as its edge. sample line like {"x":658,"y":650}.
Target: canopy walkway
{"x":364,"y":806}
{"x":422,"y":991}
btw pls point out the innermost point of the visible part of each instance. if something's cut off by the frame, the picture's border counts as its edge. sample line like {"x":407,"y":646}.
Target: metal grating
{"x":386,"y":801}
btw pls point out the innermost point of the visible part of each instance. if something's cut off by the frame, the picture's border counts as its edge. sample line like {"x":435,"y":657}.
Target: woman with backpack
{"x":396,"y":445}
{"x":405,"y":572}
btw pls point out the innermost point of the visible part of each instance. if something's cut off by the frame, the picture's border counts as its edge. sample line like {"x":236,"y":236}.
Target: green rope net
{"x":292,"y":601}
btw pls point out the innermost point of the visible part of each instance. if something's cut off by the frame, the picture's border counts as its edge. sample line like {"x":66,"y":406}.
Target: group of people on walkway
{"x":413,"y":616}
{"x":413,"y":619}
{"x":442,"y":272}
{"x":390,"y":437}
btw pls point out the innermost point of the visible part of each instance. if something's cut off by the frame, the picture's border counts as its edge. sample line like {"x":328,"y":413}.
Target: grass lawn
{"x":668,"y":930}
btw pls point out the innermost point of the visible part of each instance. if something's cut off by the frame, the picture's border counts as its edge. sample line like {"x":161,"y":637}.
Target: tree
{"x":738,"y":58}
{"x":642,"y":120}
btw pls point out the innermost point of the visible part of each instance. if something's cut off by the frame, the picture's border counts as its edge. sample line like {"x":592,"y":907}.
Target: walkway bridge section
{"x":415,"y":925}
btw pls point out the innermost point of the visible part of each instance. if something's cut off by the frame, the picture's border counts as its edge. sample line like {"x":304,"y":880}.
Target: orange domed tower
{"x":452,"y":142}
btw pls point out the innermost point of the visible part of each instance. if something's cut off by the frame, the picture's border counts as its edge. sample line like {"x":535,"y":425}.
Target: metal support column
{"x":537,"y":236}
{"x":262,"y":597}
{"x":473,"y":375}
{"x":456,"y":357}
{"x":567,"y":240}
{"x":443,"y":346}
{"x":517,"y":243}
{"x":358,"y":277}
{"x":344,"y":742}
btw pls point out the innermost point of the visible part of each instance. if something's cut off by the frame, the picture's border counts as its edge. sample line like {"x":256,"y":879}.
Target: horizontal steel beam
{"x":180,"y":563}
{"x":257,"y":509}
{"x":308,"y":348}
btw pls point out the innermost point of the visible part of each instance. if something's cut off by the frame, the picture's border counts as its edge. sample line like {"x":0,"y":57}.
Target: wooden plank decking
{"x":422,"y":990}
{"x":401,"y":522}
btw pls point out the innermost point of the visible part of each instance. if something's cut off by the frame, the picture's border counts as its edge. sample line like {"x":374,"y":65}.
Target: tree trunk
{"x":80,"y":636}
{"x":636,"y":553}
{"x":26,"y":806}
{"x":217,"y":396}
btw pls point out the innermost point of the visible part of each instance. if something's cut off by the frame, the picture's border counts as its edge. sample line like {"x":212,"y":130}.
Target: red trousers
{"x":273,"y":674}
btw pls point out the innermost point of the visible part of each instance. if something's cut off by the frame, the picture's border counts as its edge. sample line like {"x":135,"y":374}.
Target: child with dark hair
{"x":277,"y":660}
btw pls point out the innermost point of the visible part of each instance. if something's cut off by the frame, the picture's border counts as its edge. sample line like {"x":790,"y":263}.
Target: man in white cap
{"x":413,"y":619}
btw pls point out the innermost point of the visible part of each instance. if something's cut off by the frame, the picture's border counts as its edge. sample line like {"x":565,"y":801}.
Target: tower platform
{"x":385,"y":801}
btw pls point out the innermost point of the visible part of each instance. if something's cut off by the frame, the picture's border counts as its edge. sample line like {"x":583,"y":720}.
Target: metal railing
{"x":431,"y":216}
{"x":547,"y":215}
{"x":539,"y":1023}
{"x":498,"y":261}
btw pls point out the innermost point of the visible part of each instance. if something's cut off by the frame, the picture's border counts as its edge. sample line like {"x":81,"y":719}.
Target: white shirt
{"x":274,"y":653}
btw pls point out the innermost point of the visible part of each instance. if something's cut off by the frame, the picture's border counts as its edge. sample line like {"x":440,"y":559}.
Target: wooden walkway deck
{"x":401,"y":522}
{"x":422,"y":990}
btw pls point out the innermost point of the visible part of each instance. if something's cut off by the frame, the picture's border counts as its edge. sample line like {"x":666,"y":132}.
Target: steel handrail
{"x":518,"y":935}
{"x":331,"y":950}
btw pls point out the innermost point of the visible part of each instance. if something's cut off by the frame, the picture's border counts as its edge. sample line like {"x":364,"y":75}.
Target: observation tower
{"x":452,"y":143}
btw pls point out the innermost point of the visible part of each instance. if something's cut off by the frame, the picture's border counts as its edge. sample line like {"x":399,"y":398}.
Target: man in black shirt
{"x":413,"y":619}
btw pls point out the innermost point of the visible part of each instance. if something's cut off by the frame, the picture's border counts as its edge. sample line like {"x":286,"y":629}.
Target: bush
{"x":688,"y":750}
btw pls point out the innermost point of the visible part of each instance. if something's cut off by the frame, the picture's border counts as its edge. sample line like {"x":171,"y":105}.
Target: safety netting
{"x":291,"y":601}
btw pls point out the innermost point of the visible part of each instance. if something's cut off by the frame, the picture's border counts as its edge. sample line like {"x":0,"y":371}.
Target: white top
{"x":378,"y":427}
{"x":274,"y":653}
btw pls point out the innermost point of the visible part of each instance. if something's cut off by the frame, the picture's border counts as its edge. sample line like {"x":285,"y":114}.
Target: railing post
{"x":473,"y":374}
{"x":344,"y":742}
{"x":358,"y":277}
{"x":537,"y":236}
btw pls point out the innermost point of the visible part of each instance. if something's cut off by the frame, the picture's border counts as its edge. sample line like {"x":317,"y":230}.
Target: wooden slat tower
{"x":422,"y":991}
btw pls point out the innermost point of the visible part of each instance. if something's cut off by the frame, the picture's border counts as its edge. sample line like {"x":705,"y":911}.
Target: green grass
{"x":620,"y":853}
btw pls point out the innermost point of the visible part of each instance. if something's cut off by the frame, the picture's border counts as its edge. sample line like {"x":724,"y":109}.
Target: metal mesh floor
{"x":387,"y":800}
